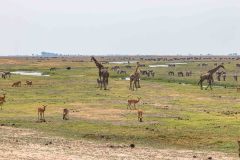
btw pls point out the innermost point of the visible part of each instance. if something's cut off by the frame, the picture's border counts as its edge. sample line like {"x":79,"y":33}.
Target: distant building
{"x":48,"y":54}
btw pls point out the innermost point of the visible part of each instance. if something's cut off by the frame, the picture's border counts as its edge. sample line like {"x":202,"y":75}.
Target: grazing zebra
{"x":180,"y":74}
{"x":171,"y":73}
{"x":52,"y":69}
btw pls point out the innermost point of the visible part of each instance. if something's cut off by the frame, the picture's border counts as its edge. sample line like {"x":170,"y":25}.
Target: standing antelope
{"x":65,"y":114}
{"x":140,"y":115}
{"x":2,"y":98}
{"x":28,"y":83}
{"x":133,"y":101}
{"x":41,"y":111}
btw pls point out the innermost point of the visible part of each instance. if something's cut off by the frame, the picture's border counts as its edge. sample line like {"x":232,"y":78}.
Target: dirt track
{"x":27,"y":144}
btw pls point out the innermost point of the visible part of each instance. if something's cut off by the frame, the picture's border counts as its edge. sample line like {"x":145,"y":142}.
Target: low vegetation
{"x":176,"y":113}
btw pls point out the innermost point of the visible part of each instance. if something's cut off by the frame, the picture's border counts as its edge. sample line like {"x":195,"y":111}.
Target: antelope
{"x":140,"y":115}
{"x":2,"y":98}
{"x":65,"y":114}
{"x":28,"y":83}
{"x":16,"y":84}
{"x":133,"y":101}
{"x":41,"y":111}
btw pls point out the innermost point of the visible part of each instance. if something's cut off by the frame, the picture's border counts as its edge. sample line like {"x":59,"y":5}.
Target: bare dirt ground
{"x":27,"y":144}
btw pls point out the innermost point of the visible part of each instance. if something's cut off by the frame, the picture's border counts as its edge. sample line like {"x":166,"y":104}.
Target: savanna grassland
{"x":177,"y":114}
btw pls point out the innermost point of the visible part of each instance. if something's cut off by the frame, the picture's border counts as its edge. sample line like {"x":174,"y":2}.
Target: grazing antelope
{"x":140,"y":115}
{"x":2,"y":98}
{"x":1,"y":103}
{"x":134,"y":102}
{"x":16,"y":84}
{"x":65,"y":114}
{"x":28,"y":83}
{"x":41,"y":111}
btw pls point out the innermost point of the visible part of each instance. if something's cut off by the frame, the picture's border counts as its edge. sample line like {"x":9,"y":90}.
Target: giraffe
{"x":209,"y":76}
{"x":102,"y":72}
{"x":99,"y":66}
{"x":134,"y":78}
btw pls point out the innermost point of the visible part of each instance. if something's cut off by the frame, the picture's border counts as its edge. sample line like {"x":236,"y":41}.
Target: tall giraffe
{"x":209,"y":76}
{"x":102,"y":72}
{"x":134,"y":78}
{"x":99,"y":66}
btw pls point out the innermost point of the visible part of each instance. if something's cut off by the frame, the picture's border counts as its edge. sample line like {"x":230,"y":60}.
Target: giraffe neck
{"x":214,"y":70}
{"x":99,"y":65}
{"x":136,"y":69}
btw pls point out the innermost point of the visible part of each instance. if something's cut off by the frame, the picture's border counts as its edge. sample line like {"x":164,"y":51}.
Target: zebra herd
{"x":6,"y":74}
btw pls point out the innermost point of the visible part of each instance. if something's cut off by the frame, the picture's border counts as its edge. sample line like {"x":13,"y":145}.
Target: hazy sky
{"x":120,"y":26}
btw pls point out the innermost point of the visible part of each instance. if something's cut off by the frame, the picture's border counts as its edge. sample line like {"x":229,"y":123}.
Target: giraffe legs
{"x":101,"y":83}
{"x":138,"y":83}
{"x":200,"y":83}
{"x":130,"y":84}
{"x":135,"y":84}
{"x":210,"y":80}
{"x":104,"y":83}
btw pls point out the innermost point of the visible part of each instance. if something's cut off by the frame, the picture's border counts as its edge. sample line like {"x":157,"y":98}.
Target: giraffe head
{"x":221,"y":66}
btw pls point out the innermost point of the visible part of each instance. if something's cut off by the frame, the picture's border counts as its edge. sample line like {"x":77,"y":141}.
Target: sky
{"x":160,"y":27}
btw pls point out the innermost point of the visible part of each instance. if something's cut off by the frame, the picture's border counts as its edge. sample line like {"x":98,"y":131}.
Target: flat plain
{"x":179,"y":119}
